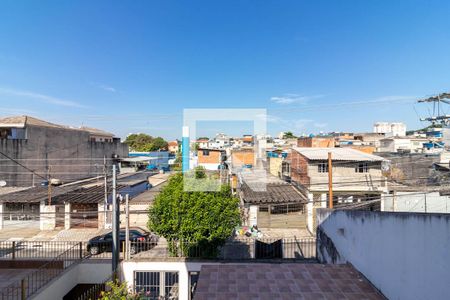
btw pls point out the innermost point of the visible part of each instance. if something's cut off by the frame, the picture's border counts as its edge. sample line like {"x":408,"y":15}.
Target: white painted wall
{"x":210,"y":166}
{"x":88,"y":272}
{"x":416,"y":202}
{"x":253,"y":215}
{"x":48,"y":217}
{"x":183,"y":268}
{"x":405,"y":255}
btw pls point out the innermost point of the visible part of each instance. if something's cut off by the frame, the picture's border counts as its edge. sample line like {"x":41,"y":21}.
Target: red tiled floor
{"x":283,"y":281}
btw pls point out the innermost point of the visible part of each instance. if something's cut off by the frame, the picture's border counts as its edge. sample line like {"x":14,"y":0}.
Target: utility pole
{"x":330,"y":181}
{"x":115,"y":225}
{"x":49,"y":186}
{"x":105,"y":205}
{"x":127,"y":229}
{"x":425,"y":201}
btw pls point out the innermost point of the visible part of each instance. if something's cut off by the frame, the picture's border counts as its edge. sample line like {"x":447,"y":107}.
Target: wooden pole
{"x":330,"y":181}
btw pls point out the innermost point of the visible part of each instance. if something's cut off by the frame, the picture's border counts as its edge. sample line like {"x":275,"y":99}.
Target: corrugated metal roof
{"x":275,"y":193}
{"x":344,"y":154}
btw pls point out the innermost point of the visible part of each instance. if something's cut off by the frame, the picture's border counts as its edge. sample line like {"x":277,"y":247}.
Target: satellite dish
{"x":2,"y":183}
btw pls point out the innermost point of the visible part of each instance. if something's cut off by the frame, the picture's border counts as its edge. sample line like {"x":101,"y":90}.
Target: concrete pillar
{"x":2,"y":205}
{"x":67,"y":217}
{"x":47,"y":217}
{"x":101,"y":216}
{"x":323,"y":200}
{"x":253,"y":215}
{"x":310,"y":212}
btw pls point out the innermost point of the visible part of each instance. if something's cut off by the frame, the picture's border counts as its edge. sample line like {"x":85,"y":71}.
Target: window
{"x":13,"y":133}
{"x":362,"y":168}
{"x":322,"y":168}
{"x":205,"y":152}
{"x":264,"y":208}
{"x":156,"y":285}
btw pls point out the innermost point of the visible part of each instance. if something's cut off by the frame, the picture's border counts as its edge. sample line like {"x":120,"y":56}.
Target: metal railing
{"x":33,"y":249}
{"x":35,"y":280}
{"x":236,"y":249}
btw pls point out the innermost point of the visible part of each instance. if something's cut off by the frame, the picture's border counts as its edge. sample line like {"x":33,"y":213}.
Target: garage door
{"x":84,"y":216}
{"x":282,"y":216}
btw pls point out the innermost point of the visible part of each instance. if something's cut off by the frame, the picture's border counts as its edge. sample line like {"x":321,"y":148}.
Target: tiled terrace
{"x":257,"y":281}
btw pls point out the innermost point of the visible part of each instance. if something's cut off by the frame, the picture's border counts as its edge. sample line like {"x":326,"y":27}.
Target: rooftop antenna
{"x":437,"y":100}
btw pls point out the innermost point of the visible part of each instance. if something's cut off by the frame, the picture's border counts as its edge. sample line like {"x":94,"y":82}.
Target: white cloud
{"x":104,"y":87}
{"x":293,"y":98}
{"x":268,"y":118}
{"x":40,"y":97}
{"x":107,"y":88}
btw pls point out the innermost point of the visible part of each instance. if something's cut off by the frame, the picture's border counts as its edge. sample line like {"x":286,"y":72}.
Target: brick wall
{"x":299,"y":168}
{"x":316,"y":142}
{"x":214,"y":157}
{"x":240,"y":158}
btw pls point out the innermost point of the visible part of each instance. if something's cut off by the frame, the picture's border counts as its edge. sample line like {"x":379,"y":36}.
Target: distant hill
{"x":425,"y":129}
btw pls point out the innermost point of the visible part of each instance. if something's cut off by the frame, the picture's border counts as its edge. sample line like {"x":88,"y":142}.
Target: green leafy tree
{"x":202,"y":219}
{"x":158,"y":144}
{"x":144,"y":143}
{"x":289,"y":135}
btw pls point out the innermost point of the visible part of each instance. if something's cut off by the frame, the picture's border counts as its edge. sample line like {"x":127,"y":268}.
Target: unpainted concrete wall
{"x":69,"y":153}
{"x":405,"y":255}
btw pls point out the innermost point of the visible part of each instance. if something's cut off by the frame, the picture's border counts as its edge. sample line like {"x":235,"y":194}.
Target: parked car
{"x":140,"y":240}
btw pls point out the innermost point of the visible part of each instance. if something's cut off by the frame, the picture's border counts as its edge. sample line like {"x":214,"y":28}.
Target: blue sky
{"x":134,"y":66}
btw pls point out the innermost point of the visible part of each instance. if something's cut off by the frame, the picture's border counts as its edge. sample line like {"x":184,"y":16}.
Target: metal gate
{"x":282,"y":216}
{"x":84,"y":215}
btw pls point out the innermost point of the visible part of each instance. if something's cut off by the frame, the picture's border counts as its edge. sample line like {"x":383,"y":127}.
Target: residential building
{"x":157,"y":160}
{"x":202,"y":143}
{"x":53,"y":151}
{"x":316,"y":141}
{"x":390,"y":129}
{"x":356,"y":176}
{"x":242,"y":158}
{"x":276,"y":159}
{"x":221,"y":141}
{"x":174,"y":147}
{"x":272,"y":204}
{"x":402,"y":144}
{"x":247,"y":140}
{"x":210,"y":159}
{"x":82,"y":204}
{"x":410,"y":168}
{"x":370,"y":139}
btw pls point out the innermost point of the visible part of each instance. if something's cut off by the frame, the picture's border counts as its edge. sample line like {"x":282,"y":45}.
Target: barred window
{"x":362,"y":168}
{"x":156,"y":285}
{"x":322,"y":168}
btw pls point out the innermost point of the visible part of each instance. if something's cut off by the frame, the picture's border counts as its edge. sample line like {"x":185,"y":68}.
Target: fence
{"x":33,"y":281}
{"x":33,"y":249}
{"x":239,"y":249}
{"x":236,"y":249}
